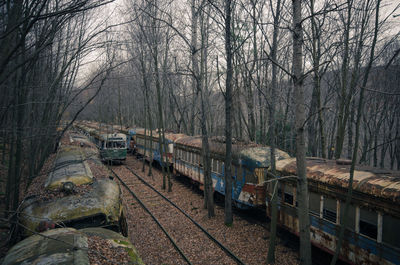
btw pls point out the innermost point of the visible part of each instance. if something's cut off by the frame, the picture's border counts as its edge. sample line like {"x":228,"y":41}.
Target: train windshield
{"x":116,"y":144}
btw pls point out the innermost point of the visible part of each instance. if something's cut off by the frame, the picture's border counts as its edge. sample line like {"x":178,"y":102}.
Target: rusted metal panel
{"x":378,"y":183}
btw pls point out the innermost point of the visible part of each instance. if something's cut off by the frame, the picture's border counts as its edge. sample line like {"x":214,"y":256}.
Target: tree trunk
{"x":228,"y":107}
{"x":274,"y":206}
{"x":302,"y":188}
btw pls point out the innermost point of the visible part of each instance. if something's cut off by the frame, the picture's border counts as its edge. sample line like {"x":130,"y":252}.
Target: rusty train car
{"x":372,"y":234}
{"x":148,"y":146}
{"x":249,"y":167}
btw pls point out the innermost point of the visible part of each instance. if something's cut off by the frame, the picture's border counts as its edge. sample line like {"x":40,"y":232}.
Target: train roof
{"x":113,"y":136}
{"x":69,"y":166}
{"x":102,"y":198}
{"x":250,"y":154}
{"x":56,"y":247}
{"x":82,"y":140}
{"x":170,"y":137}
{"x":261,"y":156}
{"x":373,"y":181}
{"x":216,"y":143}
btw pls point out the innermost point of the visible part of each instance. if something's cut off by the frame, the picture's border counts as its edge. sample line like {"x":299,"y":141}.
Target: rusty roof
{"x":171,"y":137}
{"x":369,"y":180}
{"x":251,"y":154}
{"x":261,"y":156}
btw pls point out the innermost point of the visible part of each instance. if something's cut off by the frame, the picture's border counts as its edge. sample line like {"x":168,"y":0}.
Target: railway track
{"x":157,"y":207}
{"x":253,"y":217}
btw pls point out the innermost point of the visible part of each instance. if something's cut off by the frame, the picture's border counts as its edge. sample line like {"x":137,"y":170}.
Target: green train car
{"x":112,"y":147}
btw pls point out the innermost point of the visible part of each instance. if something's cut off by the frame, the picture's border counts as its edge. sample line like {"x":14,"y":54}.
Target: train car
{"x":249,"y":167}
{"x":154,"y":150}
{"x":372,"y":234}
{"x":112,"y":145}
{"x":73,"y":196}
{"x":130,"y":139}
{"x":71,"y":246}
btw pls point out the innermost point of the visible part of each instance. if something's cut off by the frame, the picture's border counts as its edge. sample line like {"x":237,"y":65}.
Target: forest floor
{"x":247,"y":240}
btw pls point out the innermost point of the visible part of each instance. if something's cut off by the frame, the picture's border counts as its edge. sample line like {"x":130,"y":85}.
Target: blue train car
{"x":148,"y":146}
{"x":249,"y":168}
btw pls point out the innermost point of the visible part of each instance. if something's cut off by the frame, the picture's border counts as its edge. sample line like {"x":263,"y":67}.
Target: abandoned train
{"x":75,"y":201}
{"x":372,"y":235}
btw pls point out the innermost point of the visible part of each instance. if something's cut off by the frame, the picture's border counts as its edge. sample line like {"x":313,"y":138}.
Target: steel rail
{"x":154,"y":218}
{"x":226,"y":250}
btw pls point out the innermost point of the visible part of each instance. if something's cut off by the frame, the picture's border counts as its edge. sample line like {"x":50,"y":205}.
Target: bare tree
{"x":302,"y":187}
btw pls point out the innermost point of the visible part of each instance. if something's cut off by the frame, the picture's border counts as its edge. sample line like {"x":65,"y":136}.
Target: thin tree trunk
{"x":302,"y":190}
{"x":274,"y":48}
{"x":228,"y":108}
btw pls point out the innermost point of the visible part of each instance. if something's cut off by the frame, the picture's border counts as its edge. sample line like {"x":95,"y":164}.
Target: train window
{"x":214,"y":165}
{"x":249,"y":176}
{"x":314,"y":203}
{"x":288,"y":192}
{"x":220,"y":167}
{"x":119,"y":144}
{"x":329,"y":211}
{"x":170,"y":148}
{"x":368,"y":223}
{"x":391,"y":231}
{"x":351,"y":215}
